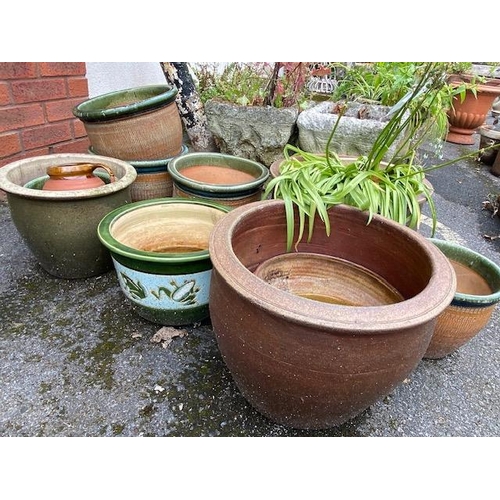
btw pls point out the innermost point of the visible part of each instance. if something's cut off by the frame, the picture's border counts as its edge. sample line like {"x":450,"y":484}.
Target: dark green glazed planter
{"x":136,"y":124}
{"x":160,"y":253}
{"x":59,"y":227}
{"x":124,"y":103}
{"x":231,"y":195}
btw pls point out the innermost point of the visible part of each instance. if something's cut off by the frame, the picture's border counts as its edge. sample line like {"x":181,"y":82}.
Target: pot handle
{"x":79,"y":168}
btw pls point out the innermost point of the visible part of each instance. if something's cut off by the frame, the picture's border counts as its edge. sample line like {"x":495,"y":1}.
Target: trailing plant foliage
{"x":310,"y":184}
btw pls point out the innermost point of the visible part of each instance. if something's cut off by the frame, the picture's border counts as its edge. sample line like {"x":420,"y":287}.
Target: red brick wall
{"x":36,"y":102}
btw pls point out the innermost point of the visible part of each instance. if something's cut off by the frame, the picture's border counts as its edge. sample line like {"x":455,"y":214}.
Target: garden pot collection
{"x":60,"y":226}
{"x":226,"y":179}
{"x":476,"y":297}
{"x":141,"y":126}
{"x":160,"y":253}
{"x":466,"y":116}
{"x":312,"y":364}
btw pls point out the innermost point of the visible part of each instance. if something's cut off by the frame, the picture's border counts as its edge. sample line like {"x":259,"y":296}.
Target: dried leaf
{"x":166,"y":334}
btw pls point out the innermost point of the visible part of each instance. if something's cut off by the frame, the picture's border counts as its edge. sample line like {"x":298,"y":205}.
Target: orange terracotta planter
{"x":466,"y":117}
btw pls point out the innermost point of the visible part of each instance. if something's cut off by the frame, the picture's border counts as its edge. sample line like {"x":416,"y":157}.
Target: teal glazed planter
{"x":476,"y":297}
{"x":59,"y":227}
{"x":135,"y":124}
{"x":160,"y":253}
{"x":229,"y":180}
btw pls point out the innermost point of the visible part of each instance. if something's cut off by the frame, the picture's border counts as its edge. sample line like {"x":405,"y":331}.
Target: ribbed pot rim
{"x":477,"y":262}
{"x":104,"y":108}
{"x":217,"y":159}
{"x":105,"y":226}
{"x":16,"y":189}
{"x":423,"y":307}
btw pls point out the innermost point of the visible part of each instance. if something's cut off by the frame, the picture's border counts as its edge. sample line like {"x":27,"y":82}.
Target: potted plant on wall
{"x":252,"y":108}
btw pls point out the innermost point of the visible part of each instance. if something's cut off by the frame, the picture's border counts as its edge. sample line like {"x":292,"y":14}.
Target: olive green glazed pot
{"x":59,"y":227}
{"x":160,"y":252}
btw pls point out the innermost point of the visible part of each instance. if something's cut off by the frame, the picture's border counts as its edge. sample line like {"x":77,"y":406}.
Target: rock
{"x":253,"y":132}
{"x":355,"y":134}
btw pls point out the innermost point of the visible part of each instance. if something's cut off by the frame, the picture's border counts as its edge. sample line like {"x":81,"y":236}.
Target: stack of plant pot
{"x":141,"y":126}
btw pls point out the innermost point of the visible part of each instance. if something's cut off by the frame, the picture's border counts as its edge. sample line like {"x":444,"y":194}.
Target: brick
{"x":16,"y":70}
{"x":46,"y":135}
{"x":78,"y":87}
{"x":78,"y":128}
{"x":61,"y":110}
{"x":16,"y":117}
{"x":38,"y":90}
{"x":10,"y":144}
{"x":62,"y":69}
{"x":26,"y":154}
{"x":78,"y":146}
{"x":4,"y":94}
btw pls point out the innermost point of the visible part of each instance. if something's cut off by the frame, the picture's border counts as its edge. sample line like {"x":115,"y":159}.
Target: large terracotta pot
{"x":466,"y":117}
{"x":309,"y":364}
{"x":60,"y":227}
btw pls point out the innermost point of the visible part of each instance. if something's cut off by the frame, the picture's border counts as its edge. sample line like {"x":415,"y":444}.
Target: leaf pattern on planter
{"x":135,"y":288}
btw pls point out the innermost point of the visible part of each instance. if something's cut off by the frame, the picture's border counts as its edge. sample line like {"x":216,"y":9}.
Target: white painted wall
{"x":104,"y":77}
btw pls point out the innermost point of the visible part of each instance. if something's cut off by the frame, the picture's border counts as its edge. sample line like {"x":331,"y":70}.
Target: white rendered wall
{"x":104,"y":77}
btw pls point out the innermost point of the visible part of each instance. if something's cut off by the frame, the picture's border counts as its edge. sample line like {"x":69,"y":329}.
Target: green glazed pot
{"x":477,"y":294}
{"x":137,"y":124}
{"x":231,"y":194}
{"x":59,"y":227}
{"x":160,"y":253}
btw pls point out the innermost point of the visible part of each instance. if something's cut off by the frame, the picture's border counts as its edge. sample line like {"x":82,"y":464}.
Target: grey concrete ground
{"x":75,"y":360}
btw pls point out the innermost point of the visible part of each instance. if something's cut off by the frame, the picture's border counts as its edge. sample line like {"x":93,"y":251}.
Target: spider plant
{"x":311,"y":183}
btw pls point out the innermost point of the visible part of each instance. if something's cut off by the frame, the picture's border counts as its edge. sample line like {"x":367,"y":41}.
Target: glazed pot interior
{"x":254,"y":173}
{"x":166,"y":228}
{"x":478,"y":278}
{"x":327,"y":279}
{"x":387,"y":249}
{"x":17,"y":176}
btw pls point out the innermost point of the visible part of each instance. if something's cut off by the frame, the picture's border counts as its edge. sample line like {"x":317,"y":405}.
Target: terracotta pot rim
{"x":121,"y":183}
{"x":419,"y":309}
{"x":149,"y":98}
{"x":217,"y":159}
{"x":104,"y":231}
{"x":474,"y":259}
